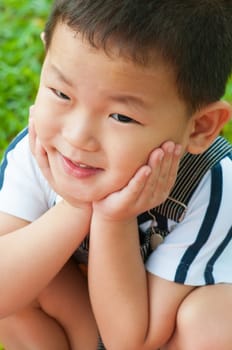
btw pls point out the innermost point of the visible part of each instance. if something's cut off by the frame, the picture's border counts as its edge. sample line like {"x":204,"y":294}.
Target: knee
{"x":190,"y":330}
{"x":198,"y":327}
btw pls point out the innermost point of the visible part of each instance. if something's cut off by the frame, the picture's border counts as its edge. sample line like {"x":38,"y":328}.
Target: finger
{"x":155,"y":163}
{"x":148,"y":194}
{"x":168,"y":149}
{"x":173,"y":170}
{"x":138,"y":182}
{"x":36,"y":146}
{"x":169,"y":164}
{"x":164,"y":164}
{"x":131,"y":193}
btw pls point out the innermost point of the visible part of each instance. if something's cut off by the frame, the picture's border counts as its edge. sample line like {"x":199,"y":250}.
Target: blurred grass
{"x":21,"y":54}
{"x":227,"y":131}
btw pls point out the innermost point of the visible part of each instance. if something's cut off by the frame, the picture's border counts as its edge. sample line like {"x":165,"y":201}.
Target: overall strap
{"x":191,"y":171}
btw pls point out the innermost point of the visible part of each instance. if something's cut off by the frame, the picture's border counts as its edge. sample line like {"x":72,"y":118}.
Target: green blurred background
{"x":21,"y":55}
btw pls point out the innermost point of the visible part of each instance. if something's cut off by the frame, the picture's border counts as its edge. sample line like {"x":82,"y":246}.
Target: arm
{"x":133,"y":309}
{"x":32,"y":254}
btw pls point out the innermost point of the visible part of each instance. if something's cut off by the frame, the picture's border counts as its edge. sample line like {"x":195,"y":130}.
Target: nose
{"x":80,"y":130}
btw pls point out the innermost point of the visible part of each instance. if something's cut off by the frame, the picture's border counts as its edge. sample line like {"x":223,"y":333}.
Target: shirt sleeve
{"x":198,"y":250}
{"x":24,"y":192}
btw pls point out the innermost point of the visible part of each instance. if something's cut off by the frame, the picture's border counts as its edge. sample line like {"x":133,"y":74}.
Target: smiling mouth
{"x":78,"y":169}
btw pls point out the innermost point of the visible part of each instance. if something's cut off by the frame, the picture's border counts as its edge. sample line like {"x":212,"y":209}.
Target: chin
{"x":90,"y":197}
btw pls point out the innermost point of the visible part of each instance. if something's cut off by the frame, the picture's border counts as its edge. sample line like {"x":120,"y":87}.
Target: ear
{"x":207,"y":124}
{"x":42,"y":37}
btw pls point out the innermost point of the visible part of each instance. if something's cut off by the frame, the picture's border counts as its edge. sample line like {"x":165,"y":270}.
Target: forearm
{"x":118,"y":286}
{"x":31,"y":256}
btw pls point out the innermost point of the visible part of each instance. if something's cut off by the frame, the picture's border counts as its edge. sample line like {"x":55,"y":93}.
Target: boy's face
{"x":100,"y":117}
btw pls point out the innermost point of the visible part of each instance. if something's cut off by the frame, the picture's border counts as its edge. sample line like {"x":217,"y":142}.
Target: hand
{"x":148,"y":188}
{"x":40,"y":154}
{"x":39,"y":151}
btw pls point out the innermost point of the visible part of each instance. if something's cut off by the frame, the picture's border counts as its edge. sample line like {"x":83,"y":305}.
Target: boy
{"x":121,"y":79}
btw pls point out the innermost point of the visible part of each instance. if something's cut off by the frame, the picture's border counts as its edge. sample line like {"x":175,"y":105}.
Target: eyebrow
{"x":127,"y":99}
{"x":60,"y":75}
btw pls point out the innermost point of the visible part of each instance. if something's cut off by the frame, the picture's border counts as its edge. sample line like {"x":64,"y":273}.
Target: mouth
{"x":81,"y":165}
{"x":79,"y":169}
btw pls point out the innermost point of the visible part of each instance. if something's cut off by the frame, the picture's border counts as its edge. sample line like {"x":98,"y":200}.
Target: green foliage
{"x":227,"y":131}
{"x":21,"y":54}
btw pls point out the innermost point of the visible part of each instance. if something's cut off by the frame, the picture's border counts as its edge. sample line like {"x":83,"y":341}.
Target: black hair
{"x":194,"y":37}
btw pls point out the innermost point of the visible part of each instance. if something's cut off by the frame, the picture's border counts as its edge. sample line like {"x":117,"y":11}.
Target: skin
{"x":108,"y":135}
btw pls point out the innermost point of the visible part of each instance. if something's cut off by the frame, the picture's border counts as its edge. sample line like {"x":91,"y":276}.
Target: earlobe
{"x":207,"y":124}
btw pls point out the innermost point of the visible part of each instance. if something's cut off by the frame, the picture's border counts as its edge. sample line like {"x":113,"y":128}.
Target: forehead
{"x":78,"y":59}
{"x":67,"y":38}
{"x":115,"y":48}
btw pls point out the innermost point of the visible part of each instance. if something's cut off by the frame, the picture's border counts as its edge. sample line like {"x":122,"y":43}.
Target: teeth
{"x":80,"y":165}
{"x":83,"y":166}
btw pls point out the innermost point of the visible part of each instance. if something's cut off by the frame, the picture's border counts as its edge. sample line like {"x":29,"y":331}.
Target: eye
{"x":122,"y":118}
{"x":60,"y":94}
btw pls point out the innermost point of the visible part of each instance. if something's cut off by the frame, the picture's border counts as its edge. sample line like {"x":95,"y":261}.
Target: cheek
{"x":127,"y":161}
{"x":43,"y":117}
{"x":44,"y":126}
{"x":122,"y":172}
